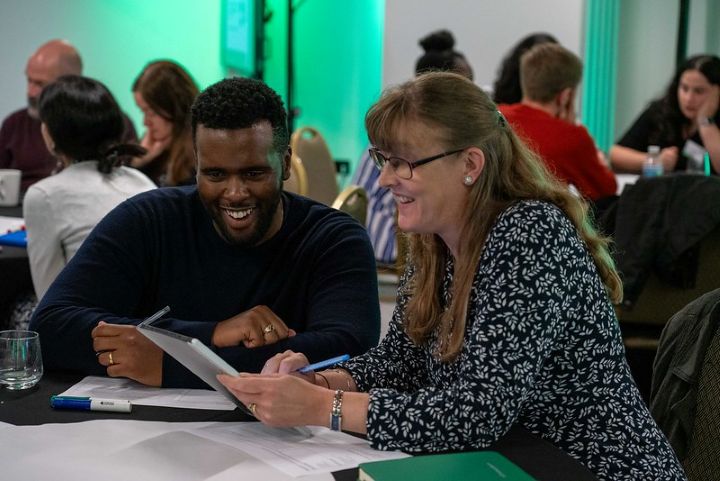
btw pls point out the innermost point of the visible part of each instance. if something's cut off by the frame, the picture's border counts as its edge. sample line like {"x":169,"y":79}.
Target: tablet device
{"x":192,"y":354}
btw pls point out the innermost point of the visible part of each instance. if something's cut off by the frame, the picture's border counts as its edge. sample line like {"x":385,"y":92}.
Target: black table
{"x":32,"y":407}
{"x":15,"y":276}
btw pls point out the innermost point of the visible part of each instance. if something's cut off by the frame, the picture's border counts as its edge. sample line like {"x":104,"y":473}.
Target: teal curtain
{"x":602,"y":22}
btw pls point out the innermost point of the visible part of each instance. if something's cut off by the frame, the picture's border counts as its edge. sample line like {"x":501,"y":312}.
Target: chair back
{"x":298,"y":182}
{"x":353,"y":200}
{"x":312,"y":150}
{"x":658,"y":301}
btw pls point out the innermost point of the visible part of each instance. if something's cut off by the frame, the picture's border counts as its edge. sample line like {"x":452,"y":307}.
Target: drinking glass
{"x":20,"y":359}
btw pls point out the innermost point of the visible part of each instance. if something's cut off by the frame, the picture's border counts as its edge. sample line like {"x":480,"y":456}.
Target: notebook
{"x":475,"y":466}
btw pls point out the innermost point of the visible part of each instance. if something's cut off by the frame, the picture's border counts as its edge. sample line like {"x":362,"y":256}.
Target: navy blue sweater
{"x":160,"y":248}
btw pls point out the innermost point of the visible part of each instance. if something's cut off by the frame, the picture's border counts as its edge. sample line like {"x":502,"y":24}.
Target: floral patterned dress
{"x":542,"y":349}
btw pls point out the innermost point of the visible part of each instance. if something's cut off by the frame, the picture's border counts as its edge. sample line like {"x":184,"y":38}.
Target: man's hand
{"x":256,"y":327}
{"x":127,"y":353}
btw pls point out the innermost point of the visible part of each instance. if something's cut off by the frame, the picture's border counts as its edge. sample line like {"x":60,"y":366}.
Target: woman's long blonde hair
{"x":463,"y":115}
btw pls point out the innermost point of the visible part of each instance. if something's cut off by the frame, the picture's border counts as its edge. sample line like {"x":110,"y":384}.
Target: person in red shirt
{"x":545,"y":119}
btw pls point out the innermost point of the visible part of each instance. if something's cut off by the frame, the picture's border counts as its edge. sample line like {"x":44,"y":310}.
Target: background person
{"x":503,"y":317}
{"x":164,"y":91}
{"x":82,"y":126}
{"x":683,"y":123}
{"x":506,"y":88}
{"x":246,"y":268}
{"x":545,"y":119}
{"x":21,"y":143}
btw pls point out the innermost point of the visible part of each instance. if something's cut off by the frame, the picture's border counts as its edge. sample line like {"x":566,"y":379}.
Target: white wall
{"x":484,"y":30}
{"x":116,"y":38}
{"x":646,"y":56}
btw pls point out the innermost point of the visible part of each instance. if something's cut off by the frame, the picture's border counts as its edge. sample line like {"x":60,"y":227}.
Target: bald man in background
{"x":21,"y":143}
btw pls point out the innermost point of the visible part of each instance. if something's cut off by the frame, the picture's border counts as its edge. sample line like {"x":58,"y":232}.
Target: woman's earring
{"x":468,"y":180}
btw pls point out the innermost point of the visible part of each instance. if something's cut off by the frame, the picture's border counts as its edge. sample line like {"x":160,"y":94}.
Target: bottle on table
{"x":653,"y":166}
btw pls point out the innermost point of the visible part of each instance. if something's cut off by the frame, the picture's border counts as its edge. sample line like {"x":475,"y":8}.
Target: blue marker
{"x":325,"y":363}
{"x":90,"y":404}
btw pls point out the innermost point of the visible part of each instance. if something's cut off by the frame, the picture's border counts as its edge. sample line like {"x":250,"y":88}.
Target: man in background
{"x":21,"y":143}
{"x":545,"y":119}
{"x":246,"y":268}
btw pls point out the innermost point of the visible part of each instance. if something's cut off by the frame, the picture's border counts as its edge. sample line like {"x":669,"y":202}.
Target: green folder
{"x":475,"y":466}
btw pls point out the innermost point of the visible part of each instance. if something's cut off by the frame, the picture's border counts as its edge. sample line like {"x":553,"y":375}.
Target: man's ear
{"x":565,"y":97}
{"x":286,"y":164}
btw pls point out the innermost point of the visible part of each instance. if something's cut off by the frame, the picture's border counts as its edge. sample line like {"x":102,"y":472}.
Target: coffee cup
{"x":10,"y":187}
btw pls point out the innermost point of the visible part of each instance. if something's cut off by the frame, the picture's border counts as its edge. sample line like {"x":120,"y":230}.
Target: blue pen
{"x":325,"y":363}
{"x":90,"y":404}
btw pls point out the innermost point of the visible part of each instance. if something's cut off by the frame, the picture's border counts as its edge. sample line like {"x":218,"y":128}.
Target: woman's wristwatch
{"x":705,"y":121}
{"x":336,"y":413}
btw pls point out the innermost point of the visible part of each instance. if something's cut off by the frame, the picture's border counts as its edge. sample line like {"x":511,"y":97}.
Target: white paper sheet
{"x":121,"y":388}
{"x":297,"y":451}
{"x":122,"y":450}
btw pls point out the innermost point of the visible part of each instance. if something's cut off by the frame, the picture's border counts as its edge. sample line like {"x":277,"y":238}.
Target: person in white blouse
{"x":82,"y":126}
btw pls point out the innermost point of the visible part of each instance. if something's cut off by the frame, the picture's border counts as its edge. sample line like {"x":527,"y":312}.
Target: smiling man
{"x":245,"y":267}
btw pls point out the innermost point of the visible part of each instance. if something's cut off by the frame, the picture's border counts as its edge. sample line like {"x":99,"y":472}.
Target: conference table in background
{"x":539,"y":458}
{"x":15,"y":276}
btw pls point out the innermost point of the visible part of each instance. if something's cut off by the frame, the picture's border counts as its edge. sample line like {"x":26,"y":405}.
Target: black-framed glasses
{"x":401,"y":167}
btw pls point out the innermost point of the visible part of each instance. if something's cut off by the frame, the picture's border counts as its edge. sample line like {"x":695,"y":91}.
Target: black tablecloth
{"x":32,"y":407}
{"x":14,"y":271}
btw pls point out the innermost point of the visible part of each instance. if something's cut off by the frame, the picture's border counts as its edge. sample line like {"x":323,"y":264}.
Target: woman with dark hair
{"x":440,"y":54}
{"x":164,"y":91}
{"x":504,"y":313}
{"x":82,"y":126}
{"x":506,"y":89}
{"x":683,"y":123}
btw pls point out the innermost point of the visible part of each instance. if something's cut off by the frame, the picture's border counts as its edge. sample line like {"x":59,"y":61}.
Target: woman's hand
{"x":154,"y":148}
{"x":709,"y":108}
{"x":281,"y":400}
{"x":669,"y":158}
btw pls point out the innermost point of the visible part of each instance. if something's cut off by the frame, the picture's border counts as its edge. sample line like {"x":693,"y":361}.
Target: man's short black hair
{"x":239,"y":103}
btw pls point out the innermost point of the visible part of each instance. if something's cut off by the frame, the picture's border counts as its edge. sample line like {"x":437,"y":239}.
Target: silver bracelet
{"x":336,"y":412}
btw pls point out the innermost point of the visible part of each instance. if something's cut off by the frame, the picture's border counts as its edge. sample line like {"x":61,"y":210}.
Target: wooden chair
{"x":312,"y":150}
{"x":298,"y":181}
{"x":353,"y":200}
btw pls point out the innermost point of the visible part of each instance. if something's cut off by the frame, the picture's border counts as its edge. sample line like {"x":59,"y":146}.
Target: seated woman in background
{"x":503,"y":315}
{"x":439,"y":55}
{"x":82,"y":126}
{"x":684,"y":123}
{"x":506,"y":88}
{"x":164,"y":92}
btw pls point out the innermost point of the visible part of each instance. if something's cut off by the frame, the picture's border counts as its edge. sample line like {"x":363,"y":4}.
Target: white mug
{"x":10,"y":187}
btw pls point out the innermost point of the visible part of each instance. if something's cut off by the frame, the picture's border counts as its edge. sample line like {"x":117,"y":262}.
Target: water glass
{"x":20,"y":359}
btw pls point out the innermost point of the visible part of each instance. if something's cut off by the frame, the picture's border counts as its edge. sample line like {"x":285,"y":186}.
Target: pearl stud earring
{"x":468,"y":180}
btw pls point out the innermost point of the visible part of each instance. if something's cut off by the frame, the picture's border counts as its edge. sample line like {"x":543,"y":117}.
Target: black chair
{"x":667,"y":248}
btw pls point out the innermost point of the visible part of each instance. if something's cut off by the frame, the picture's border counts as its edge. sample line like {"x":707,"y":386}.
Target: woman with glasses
{"x":504,"y":313}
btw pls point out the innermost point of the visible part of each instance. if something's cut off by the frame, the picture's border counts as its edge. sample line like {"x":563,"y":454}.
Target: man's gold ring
{"x":252,"y":407}
{"x":268,"y":329}
{"x":110,"y":359}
